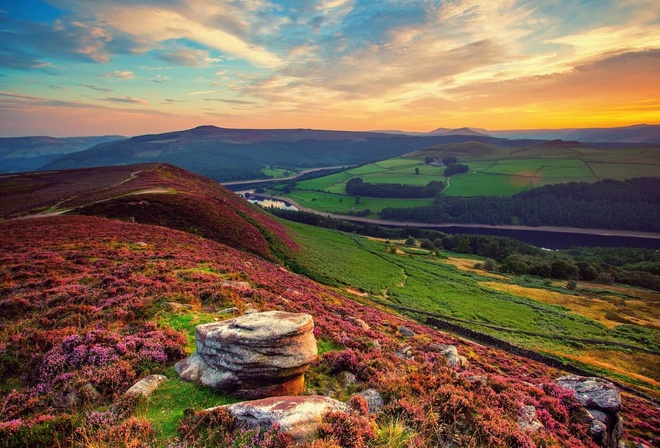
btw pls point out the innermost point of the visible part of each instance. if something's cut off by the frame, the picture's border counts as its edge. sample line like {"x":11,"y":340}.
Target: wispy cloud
{"x":202,"y":92}
{"x":122,"y":74}
{"x":188,"y":57}
{"x":160,"y":79}
{"x":96,"y":88}
{"x":126,"y":100}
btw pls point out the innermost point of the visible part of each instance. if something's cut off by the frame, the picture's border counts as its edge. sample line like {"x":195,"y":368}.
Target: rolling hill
{"x":238,"y":154}
{"x":88,"y":305}
{"x":19,"y":154}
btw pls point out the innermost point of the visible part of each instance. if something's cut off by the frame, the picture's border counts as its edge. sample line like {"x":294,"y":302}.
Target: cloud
{"x":187,"y":57}
{"x":202,"y":92}
{"x":160,"y":79}
{"x":126,"y":100}
{"x":232,"y":101}
{"x":96,"y":88}
{"x":122,"y":74}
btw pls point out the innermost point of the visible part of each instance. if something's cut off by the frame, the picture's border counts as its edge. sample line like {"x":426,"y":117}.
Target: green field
{"x":419,"y":279}
{"x":493,"y":171}
{"x":341,"y":204}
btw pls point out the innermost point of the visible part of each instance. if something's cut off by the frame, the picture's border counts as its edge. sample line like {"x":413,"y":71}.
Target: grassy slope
{"x":425,"y":282}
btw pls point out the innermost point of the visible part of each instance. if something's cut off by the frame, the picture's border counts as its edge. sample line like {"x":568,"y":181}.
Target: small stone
{"x":240,"y":286}
{"x":346,"y":378}
{"x":405,"y":331}
{"x":358,"y":322}
{"x":147,"y":385}
{"x":233,"y":310}
{"x":141,"y":244}
{"x":450,"y":352}
{"x":405,"y":352}
{"x":528,"y":422}
{"x":375,"y":345}
{"x":374,"y":400}
{"x":299,"y":417}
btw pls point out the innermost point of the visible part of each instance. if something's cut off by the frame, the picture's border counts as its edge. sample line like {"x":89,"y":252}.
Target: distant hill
{"x":460,"y":131}
{"x":641,"y":133}
{"x":238,"y":154}
{"x":149,"y":193}
{"x":19,"y":154}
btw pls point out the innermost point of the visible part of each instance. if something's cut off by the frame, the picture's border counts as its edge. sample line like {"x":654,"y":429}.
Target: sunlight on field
{"x":609,"y":311}
{"x":467,"y":264}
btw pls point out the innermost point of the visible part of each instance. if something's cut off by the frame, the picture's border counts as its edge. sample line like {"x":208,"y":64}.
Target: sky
{"x":131,"y":67}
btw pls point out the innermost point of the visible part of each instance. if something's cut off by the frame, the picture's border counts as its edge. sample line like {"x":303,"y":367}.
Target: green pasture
{"x":398,"y":162}
{"x":400,"y":178}
{"x":334,"y":203}
{"x":486,"y":184}
{"x":323,"y":183}
{"x":365,"y":169}
{"x":423,"y":282}
{"x":624,"y":170}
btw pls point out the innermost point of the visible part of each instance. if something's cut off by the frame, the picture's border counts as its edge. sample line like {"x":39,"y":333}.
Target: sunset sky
{"x":92,"y":67}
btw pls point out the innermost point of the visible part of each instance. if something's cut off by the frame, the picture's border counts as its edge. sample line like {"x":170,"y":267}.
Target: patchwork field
{"x":496,"y":170}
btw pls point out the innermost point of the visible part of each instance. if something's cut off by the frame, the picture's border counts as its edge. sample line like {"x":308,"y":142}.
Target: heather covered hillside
{"x":91,"y":304}
{"x":86,"y":301}
{"x":149,"y":193}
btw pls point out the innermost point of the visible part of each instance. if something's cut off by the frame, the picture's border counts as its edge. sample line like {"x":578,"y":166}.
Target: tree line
{"x":632,"y":204}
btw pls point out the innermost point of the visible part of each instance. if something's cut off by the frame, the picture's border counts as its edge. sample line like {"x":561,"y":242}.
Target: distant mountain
{"x":30,"y":153}
{"x":460,"y":131}
{"x":641,"y":133}
{"x":237,"y":154}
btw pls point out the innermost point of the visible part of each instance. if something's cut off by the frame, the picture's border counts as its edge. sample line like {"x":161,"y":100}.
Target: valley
{"x":145,"y":253}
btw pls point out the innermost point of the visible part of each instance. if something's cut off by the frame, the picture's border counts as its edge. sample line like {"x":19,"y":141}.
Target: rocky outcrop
{"x":253,"y":356}
{"x":450,"y":352}
{"x":405,"y":331}
{"x":147,"y":385}
{"x":602,"y":402}
{"x":298,"y":417}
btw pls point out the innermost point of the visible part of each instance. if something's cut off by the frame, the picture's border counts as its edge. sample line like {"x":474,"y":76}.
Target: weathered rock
{"x":405,"y":352}
{"x":253,"y":356}
{"x":406,"y":331}
{"x":250,"y":311}
{"x":602,"y":401}
{"x":176,"y":306}
{"x":450,"y":352}
{"x":374,"y":400}
{"x":346,"y":378}
{"x":528,"y":421}
{"x":231,"y":310}
{"x":297,"y":416}
{"x":239,"y":286}
{"x":147,"y":385}
{"x":375,"y":345}
{"x":358,"y":322}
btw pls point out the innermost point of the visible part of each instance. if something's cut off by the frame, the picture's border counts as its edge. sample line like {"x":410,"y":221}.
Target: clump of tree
{"x":357,"y":187}
{"x":456,"y":168}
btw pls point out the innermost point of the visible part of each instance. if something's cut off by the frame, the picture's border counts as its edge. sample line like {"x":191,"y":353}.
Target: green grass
{"x":624,"y":170}
{"x":476,"y":184}
{"x":433,"y":286}
{"x":336,"y":258}
{"x":186,"y":323}
{"x":322,"y":183}
{"x":400,"y":178}
{"x":277,"y":172}
{"x":398,"y":162}
{"x":164,"y":409}
{"x":332,"y":203}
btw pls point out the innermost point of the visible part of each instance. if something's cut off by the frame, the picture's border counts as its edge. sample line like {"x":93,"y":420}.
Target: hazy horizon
{"x":119,"y":67}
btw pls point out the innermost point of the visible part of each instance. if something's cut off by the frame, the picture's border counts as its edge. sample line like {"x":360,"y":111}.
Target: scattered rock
{"x":346,"y":378}
{"x":358,"y":322}
{"x":147,"y":385}
{"x":406,"y":331}
{"x":374,"y":400}
{"x":375,"y":345}
{"x":528,"y":421}
{"x":297,"y":416}
{"x":176,"y":306}
{"x":70,"y":400}
{"x":602,"y":401}
{"x":450,"y":352}
{"x":141,"y":244}
{"x":240,"y":286}
{"x":250,"y":311}
{"x":481,"y":379}
{"x":405,"y":352}
{"x":233,"y":310}
{"x":253,"y":356}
